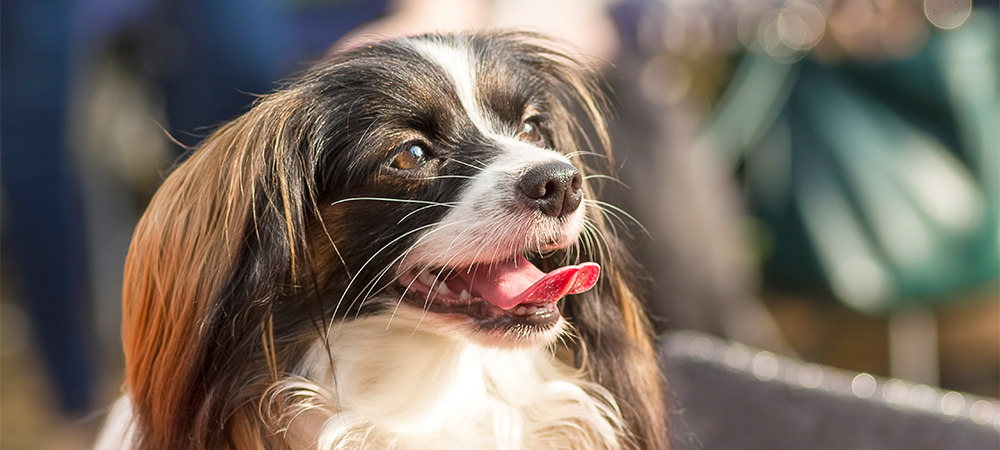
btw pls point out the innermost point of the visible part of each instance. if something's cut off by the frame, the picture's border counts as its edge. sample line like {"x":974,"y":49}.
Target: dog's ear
{"x":219,"y":238}
{"x":615,"y":335}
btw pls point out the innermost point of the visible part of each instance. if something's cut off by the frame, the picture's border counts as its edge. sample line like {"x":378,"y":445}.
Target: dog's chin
{"x":484,"y":324}
{"x":504,"y":331}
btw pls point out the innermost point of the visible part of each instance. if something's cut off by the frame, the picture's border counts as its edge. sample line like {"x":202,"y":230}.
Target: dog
{"x":399,"y":249}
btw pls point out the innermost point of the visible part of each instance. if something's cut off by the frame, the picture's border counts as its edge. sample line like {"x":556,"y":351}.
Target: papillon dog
{"x":400,"y":249}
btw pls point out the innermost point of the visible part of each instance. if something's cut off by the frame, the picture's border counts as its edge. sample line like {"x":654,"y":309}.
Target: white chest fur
{"x":391,"y":387}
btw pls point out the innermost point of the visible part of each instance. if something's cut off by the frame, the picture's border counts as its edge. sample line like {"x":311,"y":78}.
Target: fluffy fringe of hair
{"x":470,"y":396}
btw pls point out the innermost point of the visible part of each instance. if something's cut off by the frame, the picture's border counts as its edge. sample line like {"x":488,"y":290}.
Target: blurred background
{"x":815,"y":178}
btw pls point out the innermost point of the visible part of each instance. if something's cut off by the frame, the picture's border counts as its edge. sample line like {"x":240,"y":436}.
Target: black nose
{"x":553,"y":188}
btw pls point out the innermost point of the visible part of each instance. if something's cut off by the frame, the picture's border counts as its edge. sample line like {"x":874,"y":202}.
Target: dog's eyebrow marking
{"x":456,"y":62}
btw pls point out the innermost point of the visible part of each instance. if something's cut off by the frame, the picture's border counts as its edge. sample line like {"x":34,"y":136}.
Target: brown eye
{"x":531,"y":132}
{"x":411,"y":157}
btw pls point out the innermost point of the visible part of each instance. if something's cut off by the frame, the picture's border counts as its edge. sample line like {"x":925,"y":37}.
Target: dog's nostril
{"x":577,"y":182}
{"x":550,"y":188}
{"x":553,"y":188}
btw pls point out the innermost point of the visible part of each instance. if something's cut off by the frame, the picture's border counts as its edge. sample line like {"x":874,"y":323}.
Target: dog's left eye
{"x":412,"y":156}
{"x":531,"y":131}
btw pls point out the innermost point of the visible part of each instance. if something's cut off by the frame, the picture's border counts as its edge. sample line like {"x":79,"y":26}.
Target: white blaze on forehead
{"x":482,"y":224}
{"x":458,"y":64}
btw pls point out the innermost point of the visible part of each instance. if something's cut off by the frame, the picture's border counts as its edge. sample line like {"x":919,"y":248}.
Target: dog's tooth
{"x":520,"y":310}
{"x":465,"y":295}
{"x":425,"y":277}
{"x":443,"y":289}
{"x":530,"y":310}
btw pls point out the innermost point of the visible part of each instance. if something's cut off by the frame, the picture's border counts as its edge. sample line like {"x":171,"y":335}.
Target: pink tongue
{"x":508,"y":284}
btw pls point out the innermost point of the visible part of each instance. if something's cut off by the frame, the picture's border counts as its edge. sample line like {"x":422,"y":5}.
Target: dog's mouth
{"x":499,"y":294}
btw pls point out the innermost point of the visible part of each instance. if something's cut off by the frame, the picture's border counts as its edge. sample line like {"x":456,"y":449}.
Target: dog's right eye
{"x":411,"y":156}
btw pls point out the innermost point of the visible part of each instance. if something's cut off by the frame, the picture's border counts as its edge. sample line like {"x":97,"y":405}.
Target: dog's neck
{"x":393,"y":384}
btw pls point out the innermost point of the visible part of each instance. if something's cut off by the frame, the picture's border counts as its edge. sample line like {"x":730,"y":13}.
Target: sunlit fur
{"x":397,"y":384}
{"x":261,"y":302}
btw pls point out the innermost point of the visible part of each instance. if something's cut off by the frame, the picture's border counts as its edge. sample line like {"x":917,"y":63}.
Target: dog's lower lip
{"x":488,"y":317}
{"x":427,"y":295}
{"x":553,"y":244}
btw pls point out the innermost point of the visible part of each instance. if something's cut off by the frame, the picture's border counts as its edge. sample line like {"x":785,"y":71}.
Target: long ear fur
{"x":616,"y":337}
{"x":218,"y":242}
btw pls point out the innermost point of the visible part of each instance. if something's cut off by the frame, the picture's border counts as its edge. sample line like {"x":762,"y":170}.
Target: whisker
{"x":584,"y":152}
{"x":489,"y":235}
{"x":370,"y":259}
{"x":607,"y":177}
{"x":614,"y":209}
{"x":611,"y":223}
{"x":439,"y":177}
{"x":588,"y":242}
{"x":373,"y":287}
{"x":370,"y":286}
{"x":427,"y":301}
{"x":602,"y":251}
{"x":423,"y":208}
{"x":394,"y":200}
{"x":407,"y":252}
{"x":575,"y":253}
{"x":593,"y":236}
{"x":483,"y":166}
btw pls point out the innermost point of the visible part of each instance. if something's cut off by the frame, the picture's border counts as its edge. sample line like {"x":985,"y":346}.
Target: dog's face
{"x":452,"y":176}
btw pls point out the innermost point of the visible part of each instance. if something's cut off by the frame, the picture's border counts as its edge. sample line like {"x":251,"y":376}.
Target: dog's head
{"x":454,"y":173}
{"x":436,"y":176}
